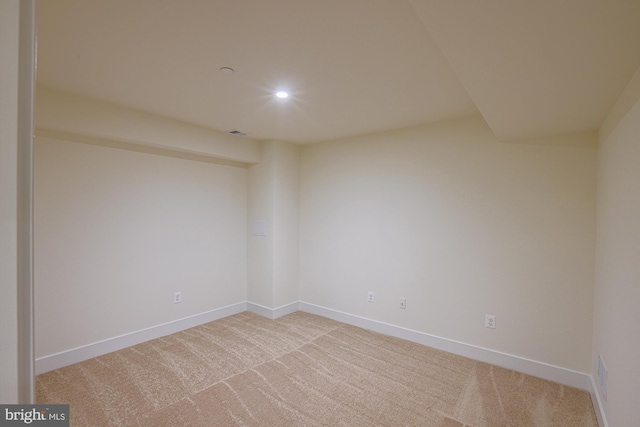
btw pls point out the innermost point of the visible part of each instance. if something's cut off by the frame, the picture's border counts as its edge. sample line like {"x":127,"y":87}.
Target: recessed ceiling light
{"x":282,"y":94}
{"x":226,"y":70}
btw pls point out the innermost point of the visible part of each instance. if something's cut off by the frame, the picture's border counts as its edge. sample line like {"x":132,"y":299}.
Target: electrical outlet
{"x":489,"y":321}
{"x":403,"y":303}
{"x":370,"y":296}
{"x":177,"y":297}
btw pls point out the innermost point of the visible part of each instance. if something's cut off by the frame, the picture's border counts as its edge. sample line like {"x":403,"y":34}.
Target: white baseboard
{"x":542,"y":370}
{"x":531,"y":367}
{"x":598,"y":406}
{"x":539,"y":369}
{"x":568,"y":377}
{"x":85,"y":352}
{"x":273,"y":313}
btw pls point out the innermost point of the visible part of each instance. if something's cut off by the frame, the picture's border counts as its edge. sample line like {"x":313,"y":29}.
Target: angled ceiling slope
{"x":532,"y":68}
{"x":352,"y":66}
{"x":538,"y":68}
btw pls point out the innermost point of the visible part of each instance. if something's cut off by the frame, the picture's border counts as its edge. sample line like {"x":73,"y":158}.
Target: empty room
{"x":356,"y":212}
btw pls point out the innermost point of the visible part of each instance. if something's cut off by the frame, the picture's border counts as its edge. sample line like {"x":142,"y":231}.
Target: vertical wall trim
{"x":26,"y":90}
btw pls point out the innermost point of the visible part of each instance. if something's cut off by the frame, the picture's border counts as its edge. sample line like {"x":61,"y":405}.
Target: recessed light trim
{"x":227,"y":70}
{"x":282,"y":94}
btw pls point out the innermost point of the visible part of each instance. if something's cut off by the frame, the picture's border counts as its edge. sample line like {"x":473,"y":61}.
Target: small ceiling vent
{"x":237,"y":132}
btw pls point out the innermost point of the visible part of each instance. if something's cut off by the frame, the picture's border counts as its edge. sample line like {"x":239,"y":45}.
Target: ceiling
{"x":531,"y":68}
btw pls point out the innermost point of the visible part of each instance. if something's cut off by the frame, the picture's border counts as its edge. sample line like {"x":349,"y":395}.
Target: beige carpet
{"x":302,"y":370}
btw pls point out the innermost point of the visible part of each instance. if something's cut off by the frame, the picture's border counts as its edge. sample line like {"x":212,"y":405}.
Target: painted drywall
{"x":274,"y":198}
{"x":629,"y":97}
{"x":617,"y":280}
{"x":9,"y":31}
{"x":260,"y":247}
{"x":80,"y":116}
{"x":460,"y":225}
{"x":117,"y":232}
{"x":286,"y":201}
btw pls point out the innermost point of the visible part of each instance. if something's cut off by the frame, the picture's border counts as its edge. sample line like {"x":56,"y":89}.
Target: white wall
{"x":63,"y":114}
{"x":260,"y":247}
{"x":617,"y":282}
{"x":274,"y":198}
{"x":9,"y":30}
{"x":17,"y":80}
{"x":461,"y":225}
{"x":286,"y":223}
{"x":117,"y":232}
